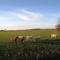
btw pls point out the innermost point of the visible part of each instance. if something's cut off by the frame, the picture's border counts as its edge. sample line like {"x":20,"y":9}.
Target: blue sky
{"x":23,"y":14}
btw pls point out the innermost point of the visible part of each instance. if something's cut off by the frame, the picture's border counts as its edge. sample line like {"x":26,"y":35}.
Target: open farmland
{"x":44,"y":34}
{"x":44,"y":48}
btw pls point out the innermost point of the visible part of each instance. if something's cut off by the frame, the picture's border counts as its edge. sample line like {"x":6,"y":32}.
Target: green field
{"x":44,"y":34}
{"x":43,"y":48}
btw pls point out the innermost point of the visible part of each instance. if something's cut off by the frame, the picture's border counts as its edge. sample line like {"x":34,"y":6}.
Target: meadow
{"x":43,"y":48}
{"x":43,"y":34}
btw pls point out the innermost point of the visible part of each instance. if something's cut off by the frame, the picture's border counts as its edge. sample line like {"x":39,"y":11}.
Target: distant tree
{"x":58,"y":25}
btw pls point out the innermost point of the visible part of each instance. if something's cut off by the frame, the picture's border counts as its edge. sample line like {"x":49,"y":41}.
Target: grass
{"x":43,"y":48}
{"x":44,"y":34}
{"x":30,"y":51}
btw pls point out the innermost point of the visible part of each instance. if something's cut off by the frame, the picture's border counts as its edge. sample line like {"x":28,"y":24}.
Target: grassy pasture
{"x":44,"y":34}
{"x":45,"y":49}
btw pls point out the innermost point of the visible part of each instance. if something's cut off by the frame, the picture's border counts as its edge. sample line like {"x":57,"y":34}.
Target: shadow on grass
{"x":31,"y":50}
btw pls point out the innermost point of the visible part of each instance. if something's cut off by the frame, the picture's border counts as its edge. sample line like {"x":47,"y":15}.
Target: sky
{"x":26,"y":14}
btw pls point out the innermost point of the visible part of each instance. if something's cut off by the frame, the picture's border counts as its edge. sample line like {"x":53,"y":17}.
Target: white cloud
{"x":17,"y":27}
{"x":23,"y":17}
{"x":31,"y":15}
{"x":3,"y":17}
{"x":28,"y":12}
{"x":26,"y":15}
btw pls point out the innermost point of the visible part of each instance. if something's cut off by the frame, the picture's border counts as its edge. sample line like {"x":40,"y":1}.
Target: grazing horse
{"x":19,"y":39}
{"x":53,"y":36}
{"x":28,"y":37}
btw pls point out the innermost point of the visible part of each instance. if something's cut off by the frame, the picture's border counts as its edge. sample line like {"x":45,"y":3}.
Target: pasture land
{"x":43,"y":48}
{"x":44,"y":34}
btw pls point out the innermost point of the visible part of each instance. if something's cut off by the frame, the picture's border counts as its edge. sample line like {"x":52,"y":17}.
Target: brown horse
{"x":19,"y":39}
